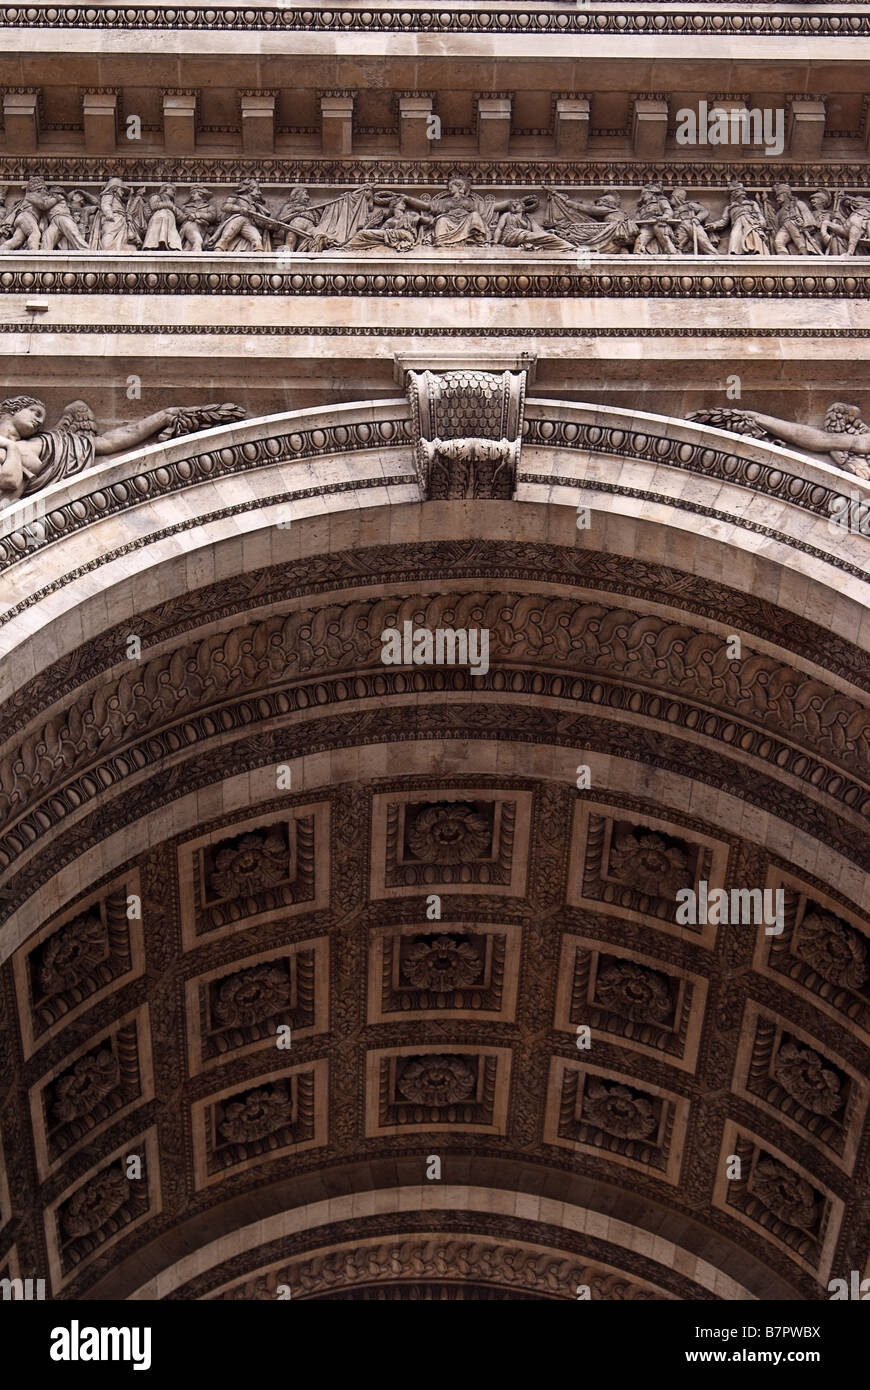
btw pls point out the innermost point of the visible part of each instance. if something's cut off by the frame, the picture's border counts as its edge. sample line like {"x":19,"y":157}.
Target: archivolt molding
{"x":551,"y":428}
{"x":538,"y":1258}
{"x":673,"y":672}
{"x":493,"y":1264}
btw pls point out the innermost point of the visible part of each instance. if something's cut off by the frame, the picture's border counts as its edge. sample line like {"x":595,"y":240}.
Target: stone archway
{"x":153,"y":775}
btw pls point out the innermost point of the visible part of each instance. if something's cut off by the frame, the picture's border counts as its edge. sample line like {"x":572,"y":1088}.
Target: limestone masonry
{"x":435,"y":654}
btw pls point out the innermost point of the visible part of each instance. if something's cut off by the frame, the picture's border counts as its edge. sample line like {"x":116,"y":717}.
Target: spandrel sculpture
{"x":32,"y":456}
{"x":845,"y":438}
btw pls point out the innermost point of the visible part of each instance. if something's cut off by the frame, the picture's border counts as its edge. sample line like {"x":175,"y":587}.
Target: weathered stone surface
{"x":493,"y":587}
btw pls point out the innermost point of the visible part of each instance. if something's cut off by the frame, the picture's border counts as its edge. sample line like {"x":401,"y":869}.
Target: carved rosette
{"x":442,"y":965}
{"x":634,"y":992}
{"x":619,"y":1111}
{"x":89,"y":1208}
{"x":803,"y":1074}
{"x":258,"y":1114}
{"x":80,"y":1090}
{"x":254,"y":862}
{"x":436,"y":1080}
{"x":785,"y":1194}
{"x":449,"y":835}
{"x":833,"y":950}
{"x":73,"y":953}
{"x":251,"y":996}
{"x":648,"y":864}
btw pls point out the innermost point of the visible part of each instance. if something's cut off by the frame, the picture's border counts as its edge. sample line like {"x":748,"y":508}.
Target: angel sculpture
{"x":32,"y":457}
{"x":845,"y":438}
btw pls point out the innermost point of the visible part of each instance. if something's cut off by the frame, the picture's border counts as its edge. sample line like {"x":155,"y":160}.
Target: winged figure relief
{"x":33,"y":456}
{"x":845,"y":438}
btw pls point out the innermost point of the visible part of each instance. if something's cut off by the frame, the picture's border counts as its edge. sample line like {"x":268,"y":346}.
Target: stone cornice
{"x":496,"y":275}
{"x":786,"y":21}
{"x":313,"y":330}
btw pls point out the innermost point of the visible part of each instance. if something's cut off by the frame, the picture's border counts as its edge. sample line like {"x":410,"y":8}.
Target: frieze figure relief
{"x":828,"y":219}
{"x":516,"y":228}
{"x":690,"y":218}
{"x":83,"y":207}
{"x":32,"y":457}
{"x":198,"y":215}
{"x":20,"y":222}
{"x":654,"y":218}
{"x":602,"y":225}
{"x":792,"y":224}
{"x":402,"y":230}
{"x":744,"y":221}
{"x":463,"y":217}
{"x":301,"y":218}
{"x":162,"y":233}
{"x":117,"y":225}
{"x":846,"y":227}
{"x":121,"y":220}
{"x":241,"y":213}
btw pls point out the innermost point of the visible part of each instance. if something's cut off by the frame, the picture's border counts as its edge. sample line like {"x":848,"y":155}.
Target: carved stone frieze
{"x":661,"y":219}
